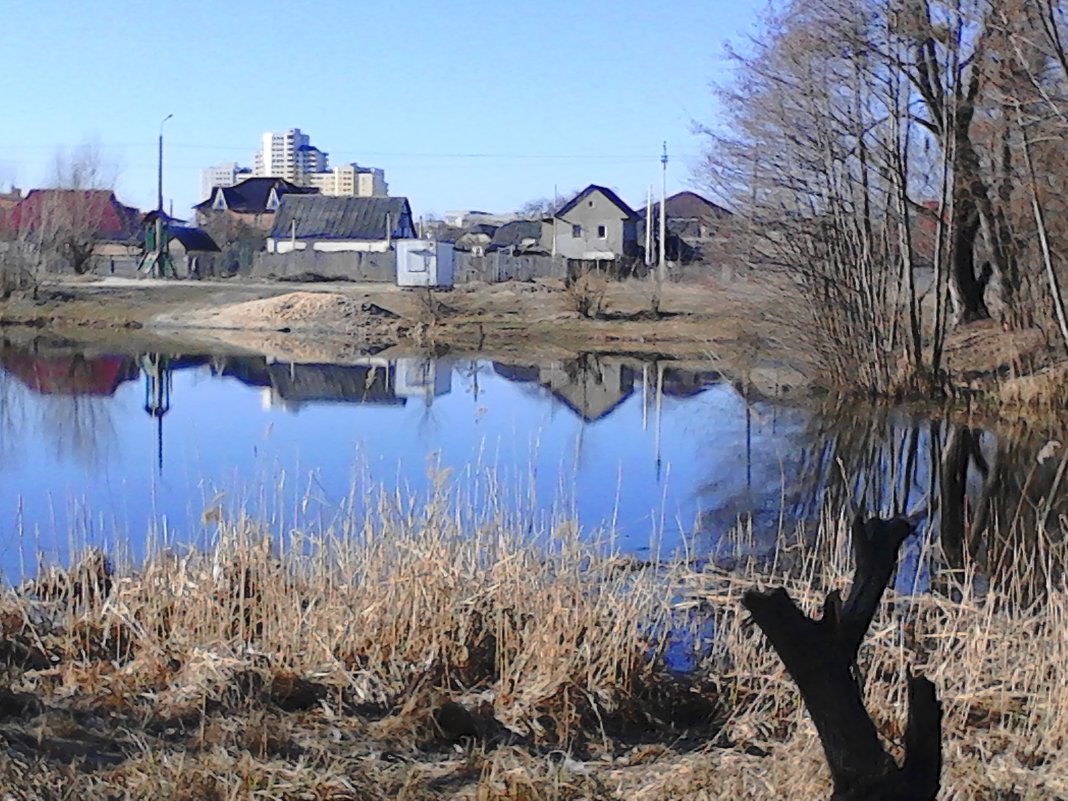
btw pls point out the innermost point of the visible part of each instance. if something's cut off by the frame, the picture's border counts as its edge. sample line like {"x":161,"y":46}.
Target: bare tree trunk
{"x":967,"y":290}
{"x":821,"y":657}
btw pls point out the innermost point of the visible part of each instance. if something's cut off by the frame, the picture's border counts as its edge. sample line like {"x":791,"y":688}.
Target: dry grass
{"x":313,"y":667}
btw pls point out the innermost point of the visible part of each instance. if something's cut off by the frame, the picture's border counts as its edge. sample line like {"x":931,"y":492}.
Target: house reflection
{"x":67,"y":373}
{"x":372,"y":380}
{"x":593,"y":386}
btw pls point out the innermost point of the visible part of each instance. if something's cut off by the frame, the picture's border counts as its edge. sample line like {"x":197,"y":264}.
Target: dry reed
{"x":310,"y":667}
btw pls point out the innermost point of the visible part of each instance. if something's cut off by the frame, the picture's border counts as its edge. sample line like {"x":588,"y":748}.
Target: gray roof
{"x":514,"y":233}
{"x":326,"y":217}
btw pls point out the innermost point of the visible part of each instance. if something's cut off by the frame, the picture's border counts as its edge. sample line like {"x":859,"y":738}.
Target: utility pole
{"x":649,"y":227}
{"x":658,"y":285}
{"x":661,"y":269}
{"x":556,"y":205}
{"x":158,"y":267}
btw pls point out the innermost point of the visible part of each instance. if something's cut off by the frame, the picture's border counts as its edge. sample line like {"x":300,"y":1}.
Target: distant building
{"x":226,"y":174}
{"x":92,"y":224}
{"x":469,"y":217}
{"x":349,"y":180}
{"x":191,"y":249}
{"x":291,"y":156}
{"x":95,"y":213}
{"x":253,"y":201}
{"x":695,"y":228}
{"x":336,"y":224}
{"x":287,"y":154}
{"x":518,"y":236}
{"x":595,"y":225}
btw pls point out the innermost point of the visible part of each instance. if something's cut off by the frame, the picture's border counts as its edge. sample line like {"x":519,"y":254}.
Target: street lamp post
{"x":159,"y":176}
{"x":158,"y":266}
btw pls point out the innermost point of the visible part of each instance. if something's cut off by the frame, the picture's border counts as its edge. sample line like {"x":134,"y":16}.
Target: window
{"x":576,"y":231}
{"x":602,"y":232}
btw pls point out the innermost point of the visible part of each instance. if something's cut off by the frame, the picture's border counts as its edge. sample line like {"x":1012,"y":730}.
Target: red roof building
{"x":96,"y":211}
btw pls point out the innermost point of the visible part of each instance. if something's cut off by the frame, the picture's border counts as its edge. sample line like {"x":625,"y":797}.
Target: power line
{"x":635,"y":157}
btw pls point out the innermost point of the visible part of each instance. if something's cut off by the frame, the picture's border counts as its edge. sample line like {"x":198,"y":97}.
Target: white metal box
{"x":424,"y":262}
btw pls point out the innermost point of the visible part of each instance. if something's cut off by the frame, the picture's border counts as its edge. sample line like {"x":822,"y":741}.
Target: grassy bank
{"x":418,"y":656}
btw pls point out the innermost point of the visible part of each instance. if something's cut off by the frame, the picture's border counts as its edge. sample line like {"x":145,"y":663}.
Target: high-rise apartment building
{"x":225,"y":174}
{"x":288,"y":154}
{"x":291,"y":155}
{"x":349,"y":180}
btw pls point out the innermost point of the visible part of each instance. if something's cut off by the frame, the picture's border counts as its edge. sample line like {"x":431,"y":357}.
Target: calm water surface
{"x":114,"y":449}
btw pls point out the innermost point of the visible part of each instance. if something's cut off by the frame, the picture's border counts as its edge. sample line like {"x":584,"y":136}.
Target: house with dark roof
{"x":591,"y":387}
{"x":595,"y":225}
{"x":692,"y":223}
{"x":518,"y":236}
{"x":338,"y":224}
{"x":473,"y":239}
{"x":253,"y":201}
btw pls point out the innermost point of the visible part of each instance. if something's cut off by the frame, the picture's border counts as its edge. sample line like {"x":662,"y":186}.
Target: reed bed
{"x":326,"y":665}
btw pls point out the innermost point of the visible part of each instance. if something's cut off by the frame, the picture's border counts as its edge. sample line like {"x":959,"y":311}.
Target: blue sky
{"x":465,"y":105}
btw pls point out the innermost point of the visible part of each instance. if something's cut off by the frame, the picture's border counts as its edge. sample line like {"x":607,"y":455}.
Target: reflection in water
{"x":70,"y":409}
{"x":995,"y":499}
{"x":670,"y":454}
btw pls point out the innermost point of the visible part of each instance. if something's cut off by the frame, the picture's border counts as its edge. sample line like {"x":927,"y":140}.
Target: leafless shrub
{"x":585,"y":293}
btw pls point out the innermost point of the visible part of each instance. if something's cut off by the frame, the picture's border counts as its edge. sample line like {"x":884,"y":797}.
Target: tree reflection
{"x":70,"y":407}
{"x":996,"y":498}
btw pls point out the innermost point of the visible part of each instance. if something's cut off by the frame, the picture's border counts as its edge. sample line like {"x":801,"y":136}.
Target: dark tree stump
{"x":821,"y":658}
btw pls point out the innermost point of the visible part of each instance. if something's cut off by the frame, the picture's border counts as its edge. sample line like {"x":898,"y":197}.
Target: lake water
{"x":112,"y":449}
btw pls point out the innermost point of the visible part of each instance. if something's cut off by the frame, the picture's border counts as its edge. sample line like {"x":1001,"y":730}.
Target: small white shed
{"x":423,"y":262}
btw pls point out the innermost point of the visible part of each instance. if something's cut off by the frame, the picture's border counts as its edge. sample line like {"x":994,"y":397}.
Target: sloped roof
{"x":328,"y":217}
{"x":628,"y":212}
{"x":193,"y":238}
{"x":512,"y":234}
{"x":68,"y":375}
{"x":97,"y":210}
{"x":690,"y":205}
{"x":251,"y":195}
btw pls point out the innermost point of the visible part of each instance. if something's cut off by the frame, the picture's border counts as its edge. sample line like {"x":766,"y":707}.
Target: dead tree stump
{"x":821,"y":658}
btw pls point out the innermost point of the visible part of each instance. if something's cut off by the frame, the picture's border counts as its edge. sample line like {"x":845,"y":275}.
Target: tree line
{"x":902,"y":161}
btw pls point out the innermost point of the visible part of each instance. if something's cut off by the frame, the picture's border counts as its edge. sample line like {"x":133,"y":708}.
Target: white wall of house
{"x":327,"y":246}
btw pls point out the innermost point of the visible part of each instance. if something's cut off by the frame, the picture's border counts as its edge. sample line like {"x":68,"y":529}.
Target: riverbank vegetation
{"x":406,"y":653}
{"x":901,"y":160}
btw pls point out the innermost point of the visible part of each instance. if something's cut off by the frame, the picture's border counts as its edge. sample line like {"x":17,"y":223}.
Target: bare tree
{"x":818,"y":159}
{"x":881,"y":152}
{"x":538,"y":208}
{"x":64,"y":223}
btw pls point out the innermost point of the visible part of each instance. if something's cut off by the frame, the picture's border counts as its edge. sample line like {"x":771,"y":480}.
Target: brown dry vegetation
{"x":413,"y":657}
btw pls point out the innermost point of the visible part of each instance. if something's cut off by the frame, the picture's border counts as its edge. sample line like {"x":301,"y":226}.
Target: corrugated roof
{"x":326,"y":217}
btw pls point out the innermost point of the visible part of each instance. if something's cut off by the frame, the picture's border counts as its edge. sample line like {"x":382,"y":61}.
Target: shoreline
{"x":742,"y":328}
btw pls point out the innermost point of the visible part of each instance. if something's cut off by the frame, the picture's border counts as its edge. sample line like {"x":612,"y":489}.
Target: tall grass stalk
{"x":263,"y":668}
